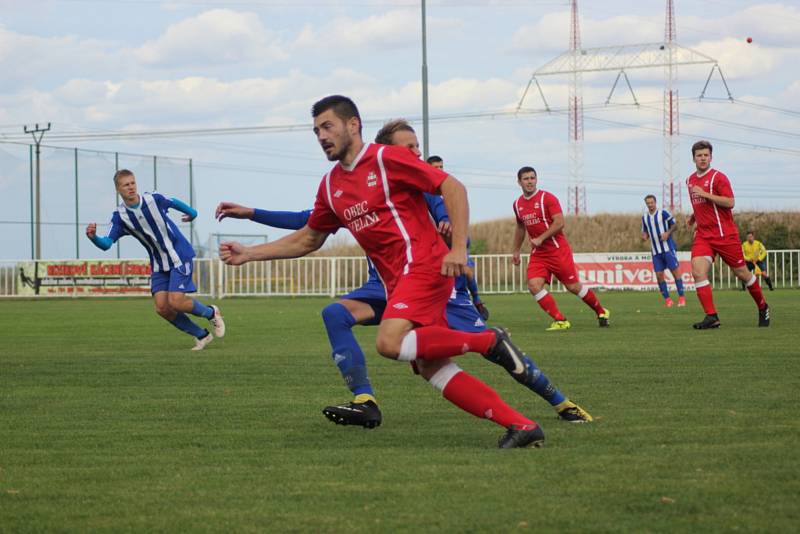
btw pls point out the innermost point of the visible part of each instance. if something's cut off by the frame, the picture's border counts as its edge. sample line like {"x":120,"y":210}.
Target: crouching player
{"x":171,"y":256}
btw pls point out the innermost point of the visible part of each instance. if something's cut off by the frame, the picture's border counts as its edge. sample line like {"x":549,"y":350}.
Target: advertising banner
{"x":87,"y":277}
{"x":628,"y":270}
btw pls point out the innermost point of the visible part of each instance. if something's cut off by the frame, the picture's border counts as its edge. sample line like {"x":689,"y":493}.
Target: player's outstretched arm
{"x":233,"y":211}
{"x":103,"y":243}
{"x":294,"y":245}
{"x":189,"y":212}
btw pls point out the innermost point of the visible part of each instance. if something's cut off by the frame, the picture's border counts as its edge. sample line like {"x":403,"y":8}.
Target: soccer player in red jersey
{"x":538,"y":214}
{"x":716,"y":234}
{"x":376,"y":192}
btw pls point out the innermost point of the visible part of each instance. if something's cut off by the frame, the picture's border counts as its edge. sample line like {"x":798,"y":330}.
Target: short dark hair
{"x":387,"y":131}
{"x":700,"y":145}
{"x":122,"y":173}
{"x":750,"y":232}
{"x":650,"y":196}
{"x":434,"y":159}
{"x":525,"y":169}
{"x":342,"y":107}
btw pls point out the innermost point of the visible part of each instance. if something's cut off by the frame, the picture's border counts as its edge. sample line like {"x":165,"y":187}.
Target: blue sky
{"x":140,"y":65}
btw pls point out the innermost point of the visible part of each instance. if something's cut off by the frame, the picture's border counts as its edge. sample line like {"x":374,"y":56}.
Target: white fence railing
{"x":332,"y":276}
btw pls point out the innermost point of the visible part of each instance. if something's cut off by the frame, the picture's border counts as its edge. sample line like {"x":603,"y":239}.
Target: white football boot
{"x":217,"y":322}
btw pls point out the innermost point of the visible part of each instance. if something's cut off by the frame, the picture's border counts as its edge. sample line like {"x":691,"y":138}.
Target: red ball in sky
{"x":749,"y":39}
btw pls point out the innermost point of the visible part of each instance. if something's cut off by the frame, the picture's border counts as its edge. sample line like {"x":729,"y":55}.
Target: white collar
{"x":349,"y":168}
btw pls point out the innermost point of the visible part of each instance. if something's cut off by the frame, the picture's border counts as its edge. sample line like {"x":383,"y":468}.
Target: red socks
{"x":755,"y":291}
{"x":548,"y":304}
{"x":591,"y":300}
{"x":437,"y":342}
{"x":475,"y":397}
{"x":705,"y":296}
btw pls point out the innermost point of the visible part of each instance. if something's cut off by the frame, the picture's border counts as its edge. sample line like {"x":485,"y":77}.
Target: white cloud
{"x":390,"y":30}
{"x":213,"y":37}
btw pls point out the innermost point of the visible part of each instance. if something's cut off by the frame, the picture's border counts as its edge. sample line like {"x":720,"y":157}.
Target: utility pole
{"x":576,"y":192}
{"x":425,"y":144}
{"x":37,"y":134}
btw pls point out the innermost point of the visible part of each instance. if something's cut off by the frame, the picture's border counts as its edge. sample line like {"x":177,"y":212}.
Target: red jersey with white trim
{"x":536,"y":213}
{"x":712,"y":220}
{"x":379,"y":198}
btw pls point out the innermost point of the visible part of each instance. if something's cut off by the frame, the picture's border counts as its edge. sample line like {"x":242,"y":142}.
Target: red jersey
{"x":379,"y":198}
{"x":712,"y":220}
{"x":536,"y":213}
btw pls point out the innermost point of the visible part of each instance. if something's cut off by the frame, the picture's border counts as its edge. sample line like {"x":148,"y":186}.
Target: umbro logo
{"x":338,"y":193}
{"x":400,"y":306}
{"x":372,"y":179}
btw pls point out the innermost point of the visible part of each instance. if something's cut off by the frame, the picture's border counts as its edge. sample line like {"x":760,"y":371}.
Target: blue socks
{"x":664,"y":289}
{"x":201,"y":310}
{"x":183,"y":323}
{"x":541,"y":385}
{"x":472,"y":287}
{"x":679,"y":285}
{"x":347,"y":355}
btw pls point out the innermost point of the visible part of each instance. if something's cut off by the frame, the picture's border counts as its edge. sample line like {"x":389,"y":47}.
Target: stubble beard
{"x":342,"y":152}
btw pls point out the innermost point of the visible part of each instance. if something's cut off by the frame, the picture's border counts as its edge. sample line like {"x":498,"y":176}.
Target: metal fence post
{"x":332,"y":270}
{"x":77,"y":216}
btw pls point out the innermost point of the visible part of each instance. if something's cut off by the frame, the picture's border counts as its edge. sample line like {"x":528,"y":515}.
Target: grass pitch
{"x":109,"y":423}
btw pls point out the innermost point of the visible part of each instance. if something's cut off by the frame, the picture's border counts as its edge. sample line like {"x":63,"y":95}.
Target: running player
{"x":376,"y":192}
{"x":171,"y":256}
{"x":461,"y":313}
{"x":716,"y":234}
{"x":657,"y":227}
{"x":538,"y":213}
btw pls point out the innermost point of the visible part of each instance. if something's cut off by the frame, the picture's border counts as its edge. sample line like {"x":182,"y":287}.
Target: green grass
{"x":109,"y":423}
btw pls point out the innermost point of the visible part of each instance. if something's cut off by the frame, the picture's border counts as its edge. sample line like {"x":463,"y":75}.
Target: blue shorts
{"x":665,"y":260}
{"x":373,"y":294}
{"x":464,"y":317}
{"x":177,"y":279}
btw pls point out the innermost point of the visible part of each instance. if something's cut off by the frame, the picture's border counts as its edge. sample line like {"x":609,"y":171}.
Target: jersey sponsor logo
{"x":400,"y":306}
{"x":372,"y":179}
{"x":359,"y":216}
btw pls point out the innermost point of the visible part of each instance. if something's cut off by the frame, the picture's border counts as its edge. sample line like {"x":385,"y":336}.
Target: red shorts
{"x":559,"y":264}
{"x":729,"y":249}
{"x":420,"y":297}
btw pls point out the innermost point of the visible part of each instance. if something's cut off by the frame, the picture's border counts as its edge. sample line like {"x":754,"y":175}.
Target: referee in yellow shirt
{"x":754,"y":255}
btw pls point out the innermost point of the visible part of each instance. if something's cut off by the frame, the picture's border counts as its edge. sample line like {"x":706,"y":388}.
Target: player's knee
{"x":534,"y":286}
{"x":175,"y":300}
{"x":336,"y":316}
{"x":388,"y":345}
{"x":164,"y":310}
{"x":574,"y":288}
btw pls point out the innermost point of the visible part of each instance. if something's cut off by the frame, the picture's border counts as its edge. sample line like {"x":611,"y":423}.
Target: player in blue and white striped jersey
{"x":171,"y":256}
{"x":657,"y":227}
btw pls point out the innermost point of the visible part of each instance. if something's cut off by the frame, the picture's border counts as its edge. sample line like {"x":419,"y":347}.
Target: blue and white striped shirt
{"x":149,"y":224}
{"x":655,"y":224}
